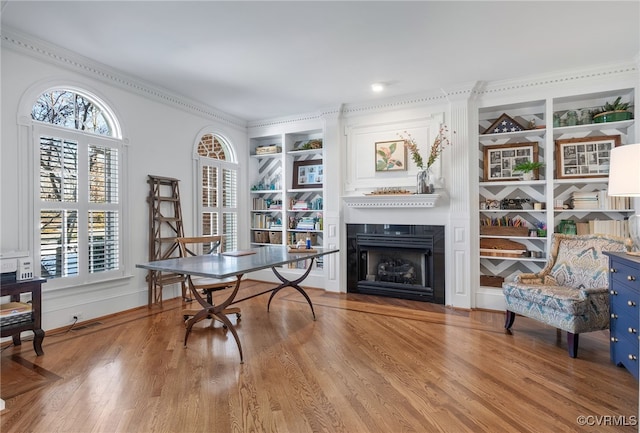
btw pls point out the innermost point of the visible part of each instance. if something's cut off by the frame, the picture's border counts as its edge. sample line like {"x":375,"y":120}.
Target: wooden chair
{"x":200,"y":245}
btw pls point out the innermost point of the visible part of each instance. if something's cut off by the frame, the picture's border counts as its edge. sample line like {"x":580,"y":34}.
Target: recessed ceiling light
{"x":377,"y":87}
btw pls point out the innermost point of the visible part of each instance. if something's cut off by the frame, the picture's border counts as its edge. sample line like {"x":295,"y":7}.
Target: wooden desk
{"x":13,"y":290}
{"x":223,"y":266}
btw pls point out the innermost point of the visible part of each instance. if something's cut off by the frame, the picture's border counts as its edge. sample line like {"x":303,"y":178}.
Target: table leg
{"x":37,"y":341}
{"x":214,"y":310}
{"x":295,"y":284}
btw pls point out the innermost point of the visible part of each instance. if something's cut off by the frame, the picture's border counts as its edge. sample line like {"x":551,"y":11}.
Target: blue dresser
{"x":624,"y":296}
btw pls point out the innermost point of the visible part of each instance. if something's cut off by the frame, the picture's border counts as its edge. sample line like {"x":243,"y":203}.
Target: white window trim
{"x":198,"y":162}
{"x":83,"y":139}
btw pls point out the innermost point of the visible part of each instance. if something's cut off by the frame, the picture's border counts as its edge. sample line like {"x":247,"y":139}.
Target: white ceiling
{"x":259,"y":60}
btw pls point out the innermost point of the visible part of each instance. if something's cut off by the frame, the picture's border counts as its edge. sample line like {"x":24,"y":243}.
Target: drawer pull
{"x":614,"y":316}
{"x":632,"y":357}
{"x":613,"y":270}
{"x":631,"y":303}
{"x":631,"y":278}
{"x":613,"y":292}
{"x":632,"y":330}
{"x":614,"y":339}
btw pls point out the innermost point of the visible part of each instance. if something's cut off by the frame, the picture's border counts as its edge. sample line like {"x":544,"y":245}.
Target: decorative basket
{"x":304,"y":236}
{"x":501,"y":248}
{"x":490,"y":252}
{"x":15,"y":312}
{"x":265,"y":150}
{"x":275,"y":237}
{"x":261,"y":237}
{"x":491,"y":281}
{"x":504,"y":231}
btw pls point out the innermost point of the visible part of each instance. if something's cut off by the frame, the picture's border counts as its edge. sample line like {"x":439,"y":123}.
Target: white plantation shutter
{"x":103,"y":174}
{"x":230,"y":224}
{"x":58,"y":169}
{"x":209,"y":186}
{"x":218,"y":190}
{"x":78,"y":205}
{"x":229,"y":208}
{"x":229,"y":189}
{"x":103,"y":224}
{"x":104,"y":241}
{"x":59,"y":243}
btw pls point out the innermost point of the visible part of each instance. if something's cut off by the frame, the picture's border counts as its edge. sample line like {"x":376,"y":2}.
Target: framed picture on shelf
{"x":391,"y":155}
{"x":308,"y":174}
{"x":500,"y":160}
{"x":584,"y":157}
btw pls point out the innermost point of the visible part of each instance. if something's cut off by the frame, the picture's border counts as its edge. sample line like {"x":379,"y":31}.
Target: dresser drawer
{"x":624,"y":309}
{"x":622,"y":326}
{"x":624,"y":352}
{"x":624,"y":305}
{"x":624,"y":275}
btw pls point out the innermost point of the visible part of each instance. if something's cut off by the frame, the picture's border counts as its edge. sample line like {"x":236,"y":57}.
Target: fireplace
{"x":401,"y":261}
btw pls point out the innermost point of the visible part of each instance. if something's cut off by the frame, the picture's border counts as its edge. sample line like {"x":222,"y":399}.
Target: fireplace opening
{"x":399,"y":261}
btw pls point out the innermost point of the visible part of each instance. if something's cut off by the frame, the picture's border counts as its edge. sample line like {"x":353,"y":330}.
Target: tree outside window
{"x":79,"y":201}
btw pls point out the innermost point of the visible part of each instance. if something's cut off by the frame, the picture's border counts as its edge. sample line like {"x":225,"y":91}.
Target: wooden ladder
{"x":165,"y":225}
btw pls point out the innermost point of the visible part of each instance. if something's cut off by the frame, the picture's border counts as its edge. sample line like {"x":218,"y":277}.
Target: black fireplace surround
{"x":401,"y":261}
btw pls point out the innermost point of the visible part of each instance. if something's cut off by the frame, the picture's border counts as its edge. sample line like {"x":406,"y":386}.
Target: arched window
{"x":218,"y":174}
{"x":78,"y":202}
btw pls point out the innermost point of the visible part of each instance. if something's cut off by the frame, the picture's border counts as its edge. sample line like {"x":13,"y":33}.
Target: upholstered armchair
{"x":571,"y":292}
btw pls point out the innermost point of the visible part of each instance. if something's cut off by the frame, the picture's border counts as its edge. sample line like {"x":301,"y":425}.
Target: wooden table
{"x":237,"y":264}
{"x":32,"y":323}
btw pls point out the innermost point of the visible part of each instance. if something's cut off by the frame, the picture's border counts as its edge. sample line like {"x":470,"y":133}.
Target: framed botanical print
{"x":391,"y":155}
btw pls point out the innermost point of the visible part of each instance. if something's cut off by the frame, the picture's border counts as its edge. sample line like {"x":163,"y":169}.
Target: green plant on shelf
{"x":528,"y":166}
{"x":617,"y":105}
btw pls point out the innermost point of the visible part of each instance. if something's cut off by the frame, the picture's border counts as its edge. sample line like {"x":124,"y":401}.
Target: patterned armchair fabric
{"x":571,"y":292}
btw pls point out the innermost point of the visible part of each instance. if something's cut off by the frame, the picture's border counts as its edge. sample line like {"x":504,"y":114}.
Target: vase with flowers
{"x":424,"y":178}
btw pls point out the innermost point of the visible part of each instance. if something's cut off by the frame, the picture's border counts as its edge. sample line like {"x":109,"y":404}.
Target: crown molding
{"x":284,"y":120}
{"x":463,"y":92}
{"x":625,"y":70}
{"x":434,"y":96}
{"x":51,"y":53}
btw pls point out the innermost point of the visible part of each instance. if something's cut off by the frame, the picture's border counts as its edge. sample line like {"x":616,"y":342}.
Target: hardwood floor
{"x":366,"y":364}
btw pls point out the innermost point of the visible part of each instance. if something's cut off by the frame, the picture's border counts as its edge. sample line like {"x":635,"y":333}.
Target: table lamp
{"x":624,"y":181}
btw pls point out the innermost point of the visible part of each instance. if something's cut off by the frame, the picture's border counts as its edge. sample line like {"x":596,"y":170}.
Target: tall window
{"x":218,"y":182}
{"x":78,"y":202}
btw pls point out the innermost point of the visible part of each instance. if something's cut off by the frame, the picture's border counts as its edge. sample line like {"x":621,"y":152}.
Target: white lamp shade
{"x":624,"y":171}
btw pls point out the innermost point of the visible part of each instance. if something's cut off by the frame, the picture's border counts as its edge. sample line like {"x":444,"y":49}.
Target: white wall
{"x":161,"y":131}
{"x":421,"y":118}
{"x":160,"y":137}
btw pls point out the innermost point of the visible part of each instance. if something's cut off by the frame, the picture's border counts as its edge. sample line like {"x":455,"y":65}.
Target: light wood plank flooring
{"x":367,"y":364}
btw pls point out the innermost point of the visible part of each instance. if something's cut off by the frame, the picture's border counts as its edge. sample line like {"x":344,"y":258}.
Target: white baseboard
{"x":490,"y":299}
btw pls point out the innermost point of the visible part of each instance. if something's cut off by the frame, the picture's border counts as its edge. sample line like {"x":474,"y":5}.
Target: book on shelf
{"x":306,"y":223}
{"x":259,"y":204}
{"x":619,"y":228}
{"x":262,"y":221}
{"x":599,"y":200}
{"x":300,"y":205}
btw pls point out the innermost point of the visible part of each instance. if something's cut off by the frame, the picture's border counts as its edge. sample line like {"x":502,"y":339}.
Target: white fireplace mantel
{"x":391,"y":201}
